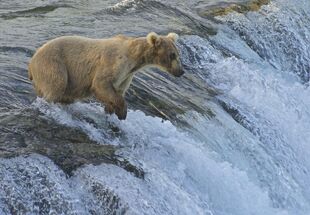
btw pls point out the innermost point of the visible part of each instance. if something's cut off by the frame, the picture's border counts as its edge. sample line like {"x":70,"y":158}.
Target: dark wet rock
{"x":29,"y":132}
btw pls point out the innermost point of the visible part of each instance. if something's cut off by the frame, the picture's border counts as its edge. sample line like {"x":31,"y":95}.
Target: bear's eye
{"x":172,"y":56}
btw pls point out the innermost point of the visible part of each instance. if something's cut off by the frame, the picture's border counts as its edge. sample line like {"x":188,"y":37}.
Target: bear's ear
{"x":153,"y":39}
{"x":173,"y":36}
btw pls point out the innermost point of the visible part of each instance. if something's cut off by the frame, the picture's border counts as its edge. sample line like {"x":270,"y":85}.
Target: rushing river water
{"x":231,"y":136}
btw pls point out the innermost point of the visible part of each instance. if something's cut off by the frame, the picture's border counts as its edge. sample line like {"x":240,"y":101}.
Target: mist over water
{"x":242,"y":149}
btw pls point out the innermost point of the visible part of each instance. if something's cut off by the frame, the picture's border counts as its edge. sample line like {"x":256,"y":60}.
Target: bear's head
{"x":165,"y":55}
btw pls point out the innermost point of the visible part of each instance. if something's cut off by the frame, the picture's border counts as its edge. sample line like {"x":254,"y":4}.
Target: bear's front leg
{"x":114,"y":102}
{"x":119,"y":108}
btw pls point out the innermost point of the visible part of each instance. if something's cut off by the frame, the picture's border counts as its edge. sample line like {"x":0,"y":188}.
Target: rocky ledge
{"x":215,"y":8}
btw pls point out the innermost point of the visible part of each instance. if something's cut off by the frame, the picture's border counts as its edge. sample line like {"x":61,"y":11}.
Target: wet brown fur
{"x":69,"y":68}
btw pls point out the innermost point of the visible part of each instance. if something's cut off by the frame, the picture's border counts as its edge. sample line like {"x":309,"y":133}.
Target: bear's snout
{"x":179,"y":73}
{"x":176,"y":69}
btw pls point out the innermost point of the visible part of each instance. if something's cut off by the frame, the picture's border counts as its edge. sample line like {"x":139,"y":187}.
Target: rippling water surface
{"x":229,"y":137}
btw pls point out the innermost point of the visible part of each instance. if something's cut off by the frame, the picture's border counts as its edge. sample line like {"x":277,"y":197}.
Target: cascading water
{"x":246,"y":155}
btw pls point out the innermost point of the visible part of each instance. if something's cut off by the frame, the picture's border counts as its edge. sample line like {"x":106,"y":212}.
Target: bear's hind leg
{"x":52,"y":82}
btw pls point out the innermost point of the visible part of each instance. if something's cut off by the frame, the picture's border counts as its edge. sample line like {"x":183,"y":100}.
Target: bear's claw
{"x":108,"y":109}
{"x":121,"y":112}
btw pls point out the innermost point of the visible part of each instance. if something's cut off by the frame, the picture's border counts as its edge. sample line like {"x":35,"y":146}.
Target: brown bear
{"x":73,"y":67}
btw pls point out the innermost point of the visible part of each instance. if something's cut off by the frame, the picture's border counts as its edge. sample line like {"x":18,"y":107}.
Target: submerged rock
{"x":151,"y":93}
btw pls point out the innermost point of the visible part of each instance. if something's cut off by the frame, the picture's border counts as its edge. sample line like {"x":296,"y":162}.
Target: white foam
{"x":183,"y":177}
{"x":34,"y":185}
{"x":124,"y":4}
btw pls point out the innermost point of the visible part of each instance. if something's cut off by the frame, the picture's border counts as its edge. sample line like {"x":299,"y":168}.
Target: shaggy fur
{"x":69,"y":68}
